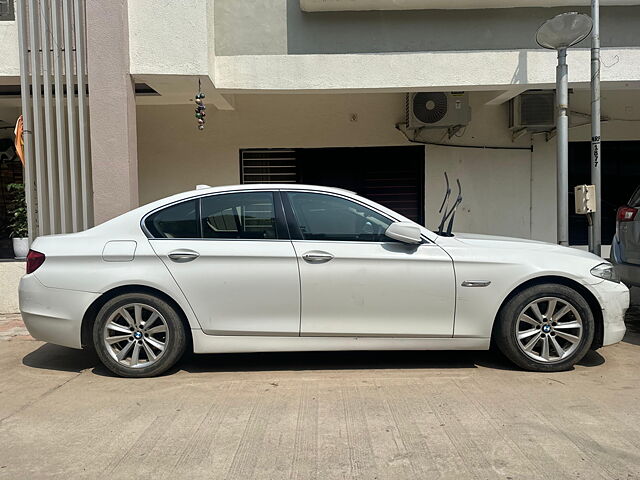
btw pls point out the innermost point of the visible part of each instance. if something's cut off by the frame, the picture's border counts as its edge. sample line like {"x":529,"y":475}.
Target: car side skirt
{"x":203,"y":343}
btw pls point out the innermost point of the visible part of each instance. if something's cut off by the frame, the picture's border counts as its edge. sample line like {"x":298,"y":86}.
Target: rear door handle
{"x":183,"y":256}
{"x":317,"y":257}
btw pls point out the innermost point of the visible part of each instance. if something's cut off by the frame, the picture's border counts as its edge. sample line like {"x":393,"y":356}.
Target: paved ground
{"x":396,"y":415}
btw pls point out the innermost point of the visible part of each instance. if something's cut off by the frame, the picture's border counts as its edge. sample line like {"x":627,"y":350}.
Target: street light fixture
{"x":560,"y":33}
{"x":564,"y":30}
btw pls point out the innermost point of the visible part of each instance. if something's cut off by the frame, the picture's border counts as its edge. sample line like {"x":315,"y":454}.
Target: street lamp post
{"x":595,"y":230}
{"x":562,"y":146}
{"x":560,"y":33}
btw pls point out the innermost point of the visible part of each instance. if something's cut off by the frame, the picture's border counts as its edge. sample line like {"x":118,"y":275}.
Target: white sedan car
{"x":262,"y":268}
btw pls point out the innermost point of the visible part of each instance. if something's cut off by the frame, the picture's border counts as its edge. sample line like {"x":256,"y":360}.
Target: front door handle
{"x":183,"y":256}
{"x":317,"y":257}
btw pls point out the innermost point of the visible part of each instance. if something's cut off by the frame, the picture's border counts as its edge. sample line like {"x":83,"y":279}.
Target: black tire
{"x":174,"y":339}
{"x":505,"y":334}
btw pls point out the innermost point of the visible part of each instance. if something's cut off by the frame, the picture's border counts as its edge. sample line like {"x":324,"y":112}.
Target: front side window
{"x":327,"y":217}
{"x":176,"y":221}
{"x":245,"y":215}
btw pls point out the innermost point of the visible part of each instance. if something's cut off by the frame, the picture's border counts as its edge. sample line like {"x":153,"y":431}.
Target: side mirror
{"x":405,"y":232}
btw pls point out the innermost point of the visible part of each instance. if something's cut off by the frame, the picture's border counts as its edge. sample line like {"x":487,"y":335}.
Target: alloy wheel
{"x":136,"y":335}
{"x":549,"y":330}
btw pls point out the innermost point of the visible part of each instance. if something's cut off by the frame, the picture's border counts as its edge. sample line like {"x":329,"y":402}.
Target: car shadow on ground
{"x":342,"y":360}
{"x":53,"y":357}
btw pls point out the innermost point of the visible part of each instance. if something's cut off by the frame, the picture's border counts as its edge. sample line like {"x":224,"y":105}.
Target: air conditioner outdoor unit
{"x":532,"y":111}
{"x":438,"y":110}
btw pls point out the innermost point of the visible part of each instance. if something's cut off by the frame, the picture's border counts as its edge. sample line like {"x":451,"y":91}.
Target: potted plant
{"x":18,"y":220}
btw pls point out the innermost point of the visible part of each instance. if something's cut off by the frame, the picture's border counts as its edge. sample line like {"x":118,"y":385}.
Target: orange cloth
{"x":19,"y":140}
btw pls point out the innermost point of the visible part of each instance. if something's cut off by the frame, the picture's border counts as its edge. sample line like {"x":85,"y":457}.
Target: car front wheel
{"x":545,"y":328}
{"x":138,"y":335}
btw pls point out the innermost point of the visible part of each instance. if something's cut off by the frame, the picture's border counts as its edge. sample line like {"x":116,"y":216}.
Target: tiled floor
{"x":384,"y":415}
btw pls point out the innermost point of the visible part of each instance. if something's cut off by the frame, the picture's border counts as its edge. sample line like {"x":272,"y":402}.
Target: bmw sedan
{"x":263,"y":268}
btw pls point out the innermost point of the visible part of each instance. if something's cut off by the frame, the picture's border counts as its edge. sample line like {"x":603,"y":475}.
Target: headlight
{"x":606,"y":271}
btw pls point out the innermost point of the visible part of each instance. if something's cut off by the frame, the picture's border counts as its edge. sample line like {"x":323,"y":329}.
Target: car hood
{"x":531,"y":247}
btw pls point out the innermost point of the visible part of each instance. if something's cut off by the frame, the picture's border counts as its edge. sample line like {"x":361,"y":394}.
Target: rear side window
{"x":176,"y":221}
{"x":634,"y":201}
{"x":246,"y":215}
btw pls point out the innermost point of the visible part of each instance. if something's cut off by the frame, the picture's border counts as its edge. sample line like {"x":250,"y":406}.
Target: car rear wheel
{"x":138,"y":335}
{"x":545,"y":328}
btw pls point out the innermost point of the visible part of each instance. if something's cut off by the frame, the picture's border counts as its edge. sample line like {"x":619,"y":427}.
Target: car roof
{"x":203,"y":189}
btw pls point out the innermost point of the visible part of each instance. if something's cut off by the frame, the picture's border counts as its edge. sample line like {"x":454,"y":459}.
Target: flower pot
{"x":20,"y":247}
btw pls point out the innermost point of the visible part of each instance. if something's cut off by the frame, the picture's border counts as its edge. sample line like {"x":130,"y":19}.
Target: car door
{"x":231,"y":256}
{"x":357,"y":282}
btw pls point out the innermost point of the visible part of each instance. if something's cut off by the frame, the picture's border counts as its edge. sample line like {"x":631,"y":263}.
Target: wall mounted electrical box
{"x":585,"y":199}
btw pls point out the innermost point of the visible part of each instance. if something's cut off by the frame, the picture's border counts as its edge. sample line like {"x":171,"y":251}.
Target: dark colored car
{"x":625,"y":247}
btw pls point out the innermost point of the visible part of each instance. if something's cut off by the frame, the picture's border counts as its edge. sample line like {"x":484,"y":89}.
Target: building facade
{"x":324,"y":91}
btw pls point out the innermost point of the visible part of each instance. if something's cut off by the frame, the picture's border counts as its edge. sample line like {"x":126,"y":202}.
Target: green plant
{"x":17,"y":211}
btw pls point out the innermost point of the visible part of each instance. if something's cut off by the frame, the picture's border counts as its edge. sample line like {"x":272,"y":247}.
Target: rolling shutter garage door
{"x":391,"y":176}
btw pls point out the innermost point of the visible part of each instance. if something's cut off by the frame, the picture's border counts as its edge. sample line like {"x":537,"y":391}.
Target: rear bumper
{"x":53,"y":315}
{"x":614,"y":299}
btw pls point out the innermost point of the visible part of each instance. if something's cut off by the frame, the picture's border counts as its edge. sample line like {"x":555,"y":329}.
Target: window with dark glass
{"x":6,"y":10}
{"x":327,"y":217}
{"x":245,"y":215}
{"x":176,"y":221}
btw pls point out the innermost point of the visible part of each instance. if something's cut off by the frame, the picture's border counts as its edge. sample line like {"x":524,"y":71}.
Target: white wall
{"x":174,"y":155}
{"x":423,"y":71}
{"x":543,"y":190}
{"x":9,"y":55}
{"x":243,"y":45}
{"x":506,"y":192}
{"x":250,"y":27}
{"x":168,"y":37}
{"x":10,"y":274}
{"x":496,"y":189}
{"x":496,"y":183}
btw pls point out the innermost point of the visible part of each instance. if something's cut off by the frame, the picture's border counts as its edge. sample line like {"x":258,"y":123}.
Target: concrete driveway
{"x":392,"y":415}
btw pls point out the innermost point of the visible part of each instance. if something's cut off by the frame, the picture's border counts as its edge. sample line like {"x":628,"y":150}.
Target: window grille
{"x":6,"y":10}
{"x":268,"y":166}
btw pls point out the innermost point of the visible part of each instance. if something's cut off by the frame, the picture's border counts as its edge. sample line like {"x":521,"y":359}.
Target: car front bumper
{"x":614,"y":300}
{"x":53,"y":315}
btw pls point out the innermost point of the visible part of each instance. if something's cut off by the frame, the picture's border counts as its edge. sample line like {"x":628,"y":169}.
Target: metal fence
{"x":53,"y":81}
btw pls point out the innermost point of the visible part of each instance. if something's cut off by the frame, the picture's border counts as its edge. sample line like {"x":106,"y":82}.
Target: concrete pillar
{"x":112,"y":109}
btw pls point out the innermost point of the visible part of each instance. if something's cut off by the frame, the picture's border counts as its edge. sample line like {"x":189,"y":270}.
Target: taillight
{"x":34,"y":260}
{"x":626,"y":214}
